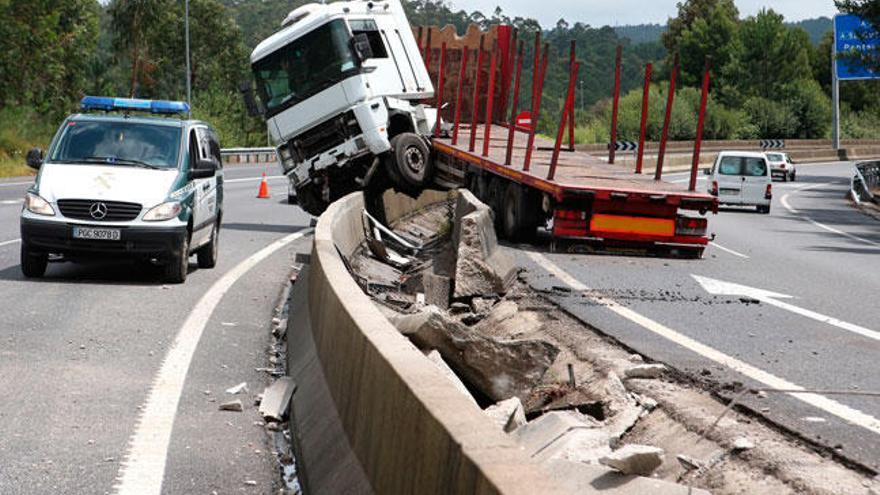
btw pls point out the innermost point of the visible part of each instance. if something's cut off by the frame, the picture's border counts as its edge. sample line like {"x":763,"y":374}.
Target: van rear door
{"x":755,"y":177}
{"x":728,"y":175}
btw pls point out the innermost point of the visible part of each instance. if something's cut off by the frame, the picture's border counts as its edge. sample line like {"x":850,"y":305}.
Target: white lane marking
{"x":830,"y":406}
{"x":720,"y":287}
{"x":11,"y":201}
{"x":254,"y":179}
{"x":791,"y":209}
{"x":144,"y":468}
{"x":7,"y":184}
{"x":728,"y":250}
{"x":7,"y":243}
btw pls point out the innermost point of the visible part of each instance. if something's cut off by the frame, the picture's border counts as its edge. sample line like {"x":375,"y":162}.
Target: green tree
{"x":703,"y":29}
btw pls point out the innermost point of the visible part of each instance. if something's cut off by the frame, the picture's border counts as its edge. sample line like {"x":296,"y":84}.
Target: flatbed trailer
{"x":531,"y":182}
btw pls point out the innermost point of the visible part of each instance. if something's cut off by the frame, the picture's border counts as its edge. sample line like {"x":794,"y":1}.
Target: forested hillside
{"x":769,"y":79}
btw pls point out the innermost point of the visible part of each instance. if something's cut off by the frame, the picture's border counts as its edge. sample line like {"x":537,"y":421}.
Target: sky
{"x":620,"y":12}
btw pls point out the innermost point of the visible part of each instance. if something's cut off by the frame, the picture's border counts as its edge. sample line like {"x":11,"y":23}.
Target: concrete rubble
{"x":480,"y":267}
{"x":234,"y":405}
{"x":276,"y":399}
{"x":497,"y":369}
{"x":634,"y":459}
{"x":437,"y":359}
{"x":241,"y":388}
{"x":645,"y":371}
{"x":507,"y":414}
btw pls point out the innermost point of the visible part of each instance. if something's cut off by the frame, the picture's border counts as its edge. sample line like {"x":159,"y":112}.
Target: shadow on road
{"x":263,"y":227}
{"x":121,"y":272}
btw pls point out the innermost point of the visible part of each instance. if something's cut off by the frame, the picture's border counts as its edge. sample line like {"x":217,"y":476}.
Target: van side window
{"x":369,"y":28}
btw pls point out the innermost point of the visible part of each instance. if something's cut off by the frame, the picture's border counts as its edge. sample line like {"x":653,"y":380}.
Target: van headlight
{"x":163,"y":211}
{"x":38,"y":205}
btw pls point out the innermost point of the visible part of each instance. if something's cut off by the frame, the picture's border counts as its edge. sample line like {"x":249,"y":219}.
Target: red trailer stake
{"x":536,"y":111}
{"x":566,"y":113}
{"x":536,"y":69}
{"x":490,"y":100}
{"x":644,"y":124}
{"x":441,"y":73}
{"x":511,"y":132}
{"x":476,"y":107}
{"x":571,"y":62}
{"x":427,"y":56}
{"x":692,"y":186}
{"x":614,"y":104}
{"x":461,"y":72}
{"x":670,"y":98}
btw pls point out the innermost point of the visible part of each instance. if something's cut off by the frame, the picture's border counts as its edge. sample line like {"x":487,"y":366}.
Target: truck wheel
{"x":520,"y":215}
{"x":33,"y":264}
{"x":178,"y":264}
{"x":309,"y":199}
{"x":207,"y":254}
{"x":412,"y":159}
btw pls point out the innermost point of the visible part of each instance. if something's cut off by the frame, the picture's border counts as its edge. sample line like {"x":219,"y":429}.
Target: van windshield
{"x":304,"y":67}
{"x":743,"y":166}
{"x":118,"y":143}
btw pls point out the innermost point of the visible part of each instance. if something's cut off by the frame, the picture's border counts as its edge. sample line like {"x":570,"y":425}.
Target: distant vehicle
{"x":741,"y":178}
{"x":116,"y":184}
{"x":341,"y":87}
{"x":781,"y":166}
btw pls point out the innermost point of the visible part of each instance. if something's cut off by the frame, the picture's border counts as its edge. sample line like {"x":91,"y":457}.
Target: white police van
{"x":114,"y":183}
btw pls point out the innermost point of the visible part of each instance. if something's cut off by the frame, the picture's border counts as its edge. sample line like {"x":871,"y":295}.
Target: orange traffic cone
{"x":264,"y":188}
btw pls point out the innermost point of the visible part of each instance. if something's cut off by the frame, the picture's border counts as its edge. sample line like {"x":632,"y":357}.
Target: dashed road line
{"x":728,"y":250}
{"x":143,"y":471}
{"x":10,"y":242}
{"x":791,"y":209}
{"x":830,"y":406}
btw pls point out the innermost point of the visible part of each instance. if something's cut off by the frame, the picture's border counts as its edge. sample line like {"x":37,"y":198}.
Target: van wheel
{"x":765,"y":209}
{"x":793,"y":174}
{"x":520,"y":214}
{"x":178,"y":265}
{"x":33,"y":264}
{"x":207,"y":254}
{"x":412,"y":160}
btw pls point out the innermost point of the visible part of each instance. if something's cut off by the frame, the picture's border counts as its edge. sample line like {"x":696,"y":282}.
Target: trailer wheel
{"x":412,"y":159}
{"x":519,"y":220}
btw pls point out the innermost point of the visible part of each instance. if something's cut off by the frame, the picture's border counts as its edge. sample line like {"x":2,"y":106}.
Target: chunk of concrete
{"x":437,"y":288}
{"x":276,"y":399}
{"x":499,"y":369}
{"x":645,"y":371}
{"x":566,"y":435}
{"x":234,"y":405}
{"x":634,"y":459}
{"x":743,"y":443}
{"x":480,"y":267}
{"x":437,"y":359}
{"x":507,"y":414}
{"x":238,"y":389}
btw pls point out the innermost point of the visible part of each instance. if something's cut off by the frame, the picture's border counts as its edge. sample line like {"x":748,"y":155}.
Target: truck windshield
{"x":304,"y":67}
{"x":118,"y":143}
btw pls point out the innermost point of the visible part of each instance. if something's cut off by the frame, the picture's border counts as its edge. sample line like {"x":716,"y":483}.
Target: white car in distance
{"x":781,"y":166}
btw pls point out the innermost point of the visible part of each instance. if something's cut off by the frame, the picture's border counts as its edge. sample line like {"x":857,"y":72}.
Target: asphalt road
{"x":813,"y":247}
{"x":81,"y":349}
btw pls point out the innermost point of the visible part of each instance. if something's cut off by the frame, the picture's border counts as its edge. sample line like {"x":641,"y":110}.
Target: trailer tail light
{"x":691,"y":226}
{"x":768,"y":194}
{"x":569,"y":223}
{"x":714,"y":191}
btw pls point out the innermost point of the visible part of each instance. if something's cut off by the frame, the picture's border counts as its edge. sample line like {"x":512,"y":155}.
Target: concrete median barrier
{"x":403,"y":424}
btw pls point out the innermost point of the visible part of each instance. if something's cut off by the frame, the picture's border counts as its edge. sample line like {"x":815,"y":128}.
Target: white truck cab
{"x":337,"y":84}
{"x":741,"y":178}
{"x":116,"y":184}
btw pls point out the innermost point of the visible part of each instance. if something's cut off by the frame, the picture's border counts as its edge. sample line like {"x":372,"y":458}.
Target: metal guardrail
{"x":865,"y":181}
{"x":244,"y":156}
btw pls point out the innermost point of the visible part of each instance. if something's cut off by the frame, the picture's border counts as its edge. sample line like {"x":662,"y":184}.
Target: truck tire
{"x":519,"y":215}
{"x":207,"y":254}
{"x":412,"y":160}
{"x":33,"y":264}
{"x":178,"y":264}
{"x":309,"y":199}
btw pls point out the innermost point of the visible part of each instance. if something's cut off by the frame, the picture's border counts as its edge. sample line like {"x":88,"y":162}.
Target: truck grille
{"x":325,"y":136}
{"x":116,"y":211}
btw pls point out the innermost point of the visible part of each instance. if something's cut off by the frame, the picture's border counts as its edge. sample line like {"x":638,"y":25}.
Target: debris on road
{"x":276,"y":399}
{"x":634,"y":459}
{"x":234,"y":405}
{"x":743,"y":443}
{"x":241,"y":388}
{"x":481,"y":267}
{"x":507,"y":414}
{"x":645,"y":371}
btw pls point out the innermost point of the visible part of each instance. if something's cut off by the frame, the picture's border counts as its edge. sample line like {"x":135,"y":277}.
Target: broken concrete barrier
{"x":499,"y":369}
{"x":276,"y":399}
{"x":645,"y":371}
{"x":480,"y":267}
{"x":437,"y":359}
{"x":634,"y":459}
{"x":507,"y":414}
{"x":564,"y":435}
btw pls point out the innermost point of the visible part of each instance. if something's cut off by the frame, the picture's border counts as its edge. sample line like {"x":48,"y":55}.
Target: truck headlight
{"x":163,"y":211}
{"x":38,"y":205}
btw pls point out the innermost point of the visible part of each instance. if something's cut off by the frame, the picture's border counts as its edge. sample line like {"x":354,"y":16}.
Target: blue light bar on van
{"x":110,"y":104}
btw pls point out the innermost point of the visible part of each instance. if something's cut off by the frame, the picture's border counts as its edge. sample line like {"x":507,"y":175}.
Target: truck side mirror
{"x":35,"y":158}
{"x":250,"y":102}
{"x":360,"y":43}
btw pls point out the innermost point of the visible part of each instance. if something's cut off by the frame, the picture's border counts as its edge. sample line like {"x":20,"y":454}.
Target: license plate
{"x":729,"y":192}
{"x":96,"y":234}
